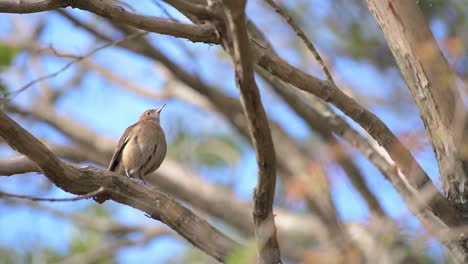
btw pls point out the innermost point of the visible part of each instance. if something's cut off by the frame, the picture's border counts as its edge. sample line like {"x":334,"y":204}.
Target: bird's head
{"x":152,"y":114}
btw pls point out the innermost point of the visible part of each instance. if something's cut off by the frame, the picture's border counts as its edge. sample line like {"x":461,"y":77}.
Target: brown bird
{"x":141,"y":149}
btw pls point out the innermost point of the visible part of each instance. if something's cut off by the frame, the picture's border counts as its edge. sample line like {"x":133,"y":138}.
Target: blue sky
{"x":108,"y":109}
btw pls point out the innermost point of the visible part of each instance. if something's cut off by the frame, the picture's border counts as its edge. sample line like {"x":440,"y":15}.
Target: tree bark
{"x":431,"y":83}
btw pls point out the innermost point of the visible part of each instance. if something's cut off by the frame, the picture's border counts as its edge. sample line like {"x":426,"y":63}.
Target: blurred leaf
{"x":429,"y":8}
{"x":7,"y":54}
{"x":217,"y":150}
{"x":4,"y":92}
{"x":244,"y":255}
{"x":35,"y":254}
{"x":9,"y":256}
{"x":95,"y":210}
{"x":359,"y":44}
{"x":192,"y":256}
{"x":85,"y":241}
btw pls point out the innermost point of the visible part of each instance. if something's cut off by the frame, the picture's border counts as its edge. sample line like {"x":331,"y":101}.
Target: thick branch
{"x":432,"y":85}
{"x":80,"y":180}
{"x":265,"y":230}
{"x":194,"y":33}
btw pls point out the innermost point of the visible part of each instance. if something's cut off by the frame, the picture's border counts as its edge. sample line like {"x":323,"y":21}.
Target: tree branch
{"x":319,"y":124}
{"x":79,"y":180}
{"x":419,"y":192}
{"x":431,"y":83}
{"x":69,"y":64}
{"x":265,"y":230}
{"x":200,"y":10}
{"x":195,"y":33}
{"x":301,"y":34}
{"x":34,"y":198}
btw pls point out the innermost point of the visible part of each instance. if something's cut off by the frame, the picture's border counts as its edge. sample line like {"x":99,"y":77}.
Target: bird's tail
{"x":100,"y":199}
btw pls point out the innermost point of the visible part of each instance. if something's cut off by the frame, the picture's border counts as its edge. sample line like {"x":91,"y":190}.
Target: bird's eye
{"x":148,"y":113}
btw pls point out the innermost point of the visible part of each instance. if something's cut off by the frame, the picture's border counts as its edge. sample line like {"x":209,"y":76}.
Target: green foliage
{"x":216,"y":151}
{"x":84,"y":242}
{"x":431,"y":7}
{"x":7,"y":55}
{"x":4,"y":92}
{"x":9,"y":256}
{"x":359,"y":44}
{"x":35,"y":254}
{"x":192,"y":256}
{"x":244,"y":255}
{"x":96,"y":210}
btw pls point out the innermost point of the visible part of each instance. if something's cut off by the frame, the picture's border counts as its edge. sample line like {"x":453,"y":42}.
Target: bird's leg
{"x":142,"y":180}
{"x":127,"y":173}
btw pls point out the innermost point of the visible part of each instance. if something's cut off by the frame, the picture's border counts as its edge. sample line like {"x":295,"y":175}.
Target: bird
{"x":141,"y":149}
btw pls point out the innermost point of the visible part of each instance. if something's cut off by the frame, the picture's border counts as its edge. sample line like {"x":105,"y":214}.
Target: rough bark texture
{"x":431,"y":82}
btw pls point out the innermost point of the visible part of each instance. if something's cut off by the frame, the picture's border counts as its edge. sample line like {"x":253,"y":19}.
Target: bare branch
{"x":265,"y":230}
{"x":431,"y":83}
{"x":317,"y":122}
{"x":80,"y":180}
{"x":194,"y":33}
{"x":416,"y":178}
{"x":82,"y":134}
{"x":419,"y":192}
{"x":301,"y":34}
{"x":11,"y":6}
{"x":34,"y":198}
{"x":199,"y":10}
{"x":16,"y":165}
{"x":69,"y":64}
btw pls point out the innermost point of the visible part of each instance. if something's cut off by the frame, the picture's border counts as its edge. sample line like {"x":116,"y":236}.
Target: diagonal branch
{"x":431,"y":83}
{"x":195,"y":33}
{"x":69,"y":64}
{"x":34,"y":198}
{"x":259,"y":128}
{"x":301,"y":34}
{"x":80,"y":180}
{"x":417,"y":189}
{"x":318,"y":123}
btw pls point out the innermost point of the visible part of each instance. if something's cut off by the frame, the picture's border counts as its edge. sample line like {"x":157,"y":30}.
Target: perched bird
{"x":141,"y":149}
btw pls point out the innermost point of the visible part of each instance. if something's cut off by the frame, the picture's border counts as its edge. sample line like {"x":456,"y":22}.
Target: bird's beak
{"x":160,"y":109}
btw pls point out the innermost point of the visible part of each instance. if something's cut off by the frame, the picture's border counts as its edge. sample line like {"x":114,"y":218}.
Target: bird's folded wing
{"x":120,"y":146}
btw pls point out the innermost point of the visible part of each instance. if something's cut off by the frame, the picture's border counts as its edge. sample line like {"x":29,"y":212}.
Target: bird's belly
{"x":144,"y":153}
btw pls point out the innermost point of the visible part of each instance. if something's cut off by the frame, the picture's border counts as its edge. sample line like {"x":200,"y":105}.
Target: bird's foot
{"x":143,"y":181}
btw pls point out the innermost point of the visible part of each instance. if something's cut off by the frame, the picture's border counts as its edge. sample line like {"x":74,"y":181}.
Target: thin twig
{"x":164,"y":10}
{"x":191,"y":55}
{"x":284,"y":14}
{"x":34,"y":198}
{"x":69,"y":64}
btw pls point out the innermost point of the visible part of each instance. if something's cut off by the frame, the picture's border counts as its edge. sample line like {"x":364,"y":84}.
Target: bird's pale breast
{"x":145,"y":150}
